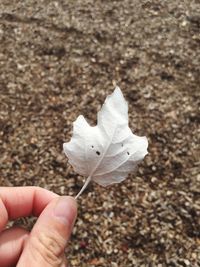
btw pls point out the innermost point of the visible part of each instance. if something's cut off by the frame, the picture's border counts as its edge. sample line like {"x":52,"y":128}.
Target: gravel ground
{"x":59,"y":59}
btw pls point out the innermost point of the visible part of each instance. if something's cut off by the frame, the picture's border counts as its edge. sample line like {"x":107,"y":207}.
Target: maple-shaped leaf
{"x":108,"y":152}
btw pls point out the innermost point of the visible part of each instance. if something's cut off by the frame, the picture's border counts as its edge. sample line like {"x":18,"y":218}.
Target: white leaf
{"x":107,"y":152}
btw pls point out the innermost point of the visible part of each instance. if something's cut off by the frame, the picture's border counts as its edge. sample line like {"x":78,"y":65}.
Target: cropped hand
{"x":45,"y":244}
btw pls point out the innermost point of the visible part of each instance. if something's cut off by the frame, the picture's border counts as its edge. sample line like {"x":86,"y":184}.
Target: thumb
{"x":49,"y":236}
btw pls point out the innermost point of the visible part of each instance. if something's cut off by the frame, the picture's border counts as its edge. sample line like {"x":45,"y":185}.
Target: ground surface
{"x":59,"y":59}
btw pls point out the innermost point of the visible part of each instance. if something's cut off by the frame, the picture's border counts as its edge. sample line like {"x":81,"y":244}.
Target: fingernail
{"x":65,"y":210}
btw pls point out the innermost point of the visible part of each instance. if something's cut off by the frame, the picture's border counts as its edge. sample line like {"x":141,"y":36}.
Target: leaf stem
{"x":84,"y":186}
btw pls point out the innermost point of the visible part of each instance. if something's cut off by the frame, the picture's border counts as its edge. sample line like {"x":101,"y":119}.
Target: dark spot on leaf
{"x":128,"y":153}
{"x":122,"y":144}
{"x":92,"y":146}
{"x":98,"y":153}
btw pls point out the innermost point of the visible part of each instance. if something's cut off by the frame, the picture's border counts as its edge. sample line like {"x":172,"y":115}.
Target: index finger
{"x":18,"y":202}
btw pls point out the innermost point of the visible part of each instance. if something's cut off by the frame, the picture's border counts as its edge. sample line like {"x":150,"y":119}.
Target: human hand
{"x":44,"y":246}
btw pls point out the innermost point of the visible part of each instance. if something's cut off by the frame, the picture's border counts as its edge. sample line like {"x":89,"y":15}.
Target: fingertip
{"x":73,"y":204}
{"x":42,"y":198}
{"x":65,"y":209}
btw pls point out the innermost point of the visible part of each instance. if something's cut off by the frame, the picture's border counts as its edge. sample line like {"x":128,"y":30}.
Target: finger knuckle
{"x":49,"y":247}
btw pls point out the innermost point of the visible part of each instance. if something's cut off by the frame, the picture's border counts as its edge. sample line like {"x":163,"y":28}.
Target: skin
{"x":45,"y":244}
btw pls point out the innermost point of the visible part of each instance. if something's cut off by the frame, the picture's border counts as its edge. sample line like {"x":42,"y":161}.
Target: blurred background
{"x":59,"y":59}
